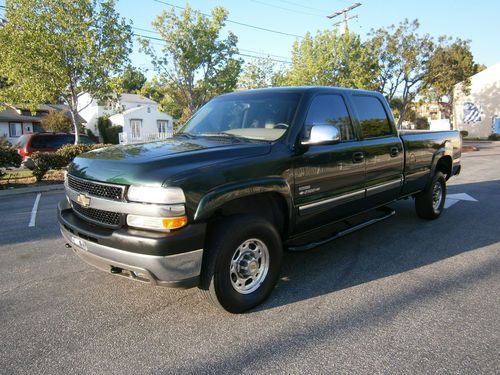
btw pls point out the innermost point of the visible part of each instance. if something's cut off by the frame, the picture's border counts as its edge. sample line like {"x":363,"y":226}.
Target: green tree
{"x":160,"y":93}
{"x":333,"y":59}
{"x":57,"y":121}
{"x":452,"y":62}
{"x":396,"y":105}
{"x":195,"y":64}
{"x":260,"y":72}
{"x":132,"y":80}
{"x":403,"y":57}
{"x":58,"y":49}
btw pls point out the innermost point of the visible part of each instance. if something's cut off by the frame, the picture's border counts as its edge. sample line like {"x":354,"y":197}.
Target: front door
{"x":329,"y":179}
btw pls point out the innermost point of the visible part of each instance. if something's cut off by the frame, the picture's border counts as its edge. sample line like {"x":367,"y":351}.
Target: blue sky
{"x":477,"y":21}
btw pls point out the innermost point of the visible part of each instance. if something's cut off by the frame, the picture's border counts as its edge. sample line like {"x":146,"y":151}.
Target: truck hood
{"x":151,"y":164}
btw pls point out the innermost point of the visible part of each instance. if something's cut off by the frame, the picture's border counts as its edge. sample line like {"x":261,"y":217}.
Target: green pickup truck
{"x":251,"y":174}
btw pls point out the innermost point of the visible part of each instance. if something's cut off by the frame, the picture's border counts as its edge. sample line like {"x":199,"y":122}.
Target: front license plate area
{"x":78,"y":242}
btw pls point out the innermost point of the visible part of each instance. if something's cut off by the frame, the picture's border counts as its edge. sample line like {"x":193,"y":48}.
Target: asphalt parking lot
{"x":403,"y":296}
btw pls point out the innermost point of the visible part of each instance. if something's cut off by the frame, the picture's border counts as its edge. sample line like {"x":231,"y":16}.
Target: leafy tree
{"x":108,"y":131}
{"x":132,"y":80}
{"x":195,"y":64}
{"x":58,"y":49}
{"x":334,"y":60}
{"x":260,"y":73}
{"x":403,"y":57}
{"x":452,"y":62}
{"x":158,"y":91}
{"x":57,"y":121}
{"x":396,"y":105}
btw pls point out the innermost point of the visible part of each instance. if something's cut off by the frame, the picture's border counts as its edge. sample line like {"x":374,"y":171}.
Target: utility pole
{"x":345,"y":13}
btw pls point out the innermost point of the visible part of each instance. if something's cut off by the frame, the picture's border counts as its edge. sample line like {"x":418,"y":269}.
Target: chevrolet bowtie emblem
{"x":83,"y":200}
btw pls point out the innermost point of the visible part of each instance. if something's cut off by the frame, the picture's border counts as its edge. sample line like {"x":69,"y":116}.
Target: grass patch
{"x":15,"y":175}
{"x":25,"y":178}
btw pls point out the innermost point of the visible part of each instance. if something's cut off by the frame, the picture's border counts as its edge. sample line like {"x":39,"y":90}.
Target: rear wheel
{"x":242,"y":263}
{"x":429,"y":204}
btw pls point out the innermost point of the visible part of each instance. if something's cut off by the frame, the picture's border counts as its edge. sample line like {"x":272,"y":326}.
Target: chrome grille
{"x":96,"y":189}
{"x":107,"y":218}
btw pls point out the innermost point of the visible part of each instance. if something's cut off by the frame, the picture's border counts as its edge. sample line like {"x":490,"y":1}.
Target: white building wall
{"x":26,"y":128}
{"x":119,"y":114}
{"x":477,"y":112}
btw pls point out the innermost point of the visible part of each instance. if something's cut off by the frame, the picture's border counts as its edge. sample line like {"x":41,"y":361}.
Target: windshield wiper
{"x":222,"y":134}
{"x":185,"y":134}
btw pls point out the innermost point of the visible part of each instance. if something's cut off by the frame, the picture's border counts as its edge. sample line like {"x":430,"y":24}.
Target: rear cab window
{"x":372,"y":116}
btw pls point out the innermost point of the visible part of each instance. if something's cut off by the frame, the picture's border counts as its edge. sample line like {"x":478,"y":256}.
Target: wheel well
{"x":444,"y":165}
{"x":270,"y":206}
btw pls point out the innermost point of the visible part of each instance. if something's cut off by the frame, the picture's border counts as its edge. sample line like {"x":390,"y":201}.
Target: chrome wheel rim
{"x":437,"y":196}
{"x":249,"y":266}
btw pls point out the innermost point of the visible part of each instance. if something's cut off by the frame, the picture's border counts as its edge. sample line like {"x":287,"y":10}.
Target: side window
{"x":330,"y":109}
{"x":372,"y":117}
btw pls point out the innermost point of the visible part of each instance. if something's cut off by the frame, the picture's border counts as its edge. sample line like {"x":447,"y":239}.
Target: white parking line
{"x":33,"y":211}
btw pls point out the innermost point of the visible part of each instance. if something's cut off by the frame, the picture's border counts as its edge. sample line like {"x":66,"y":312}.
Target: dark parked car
{"x":250,"y":174}
{"x":45,"y":142}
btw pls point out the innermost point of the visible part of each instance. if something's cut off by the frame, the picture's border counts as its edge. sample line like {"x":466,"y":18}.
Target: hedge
{"x":69,"y":152}
{"x":46,"y":161}
{"x":9,"y":158}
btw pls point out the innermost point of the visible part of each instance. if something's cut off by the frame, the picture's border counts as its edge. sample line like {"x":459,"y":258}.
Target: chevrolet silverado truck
{"x":250,"y":174}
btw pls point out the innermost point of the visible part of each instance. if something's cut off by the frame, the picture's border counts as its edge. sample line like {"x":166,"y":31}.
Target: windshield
{"x":253,"y":116}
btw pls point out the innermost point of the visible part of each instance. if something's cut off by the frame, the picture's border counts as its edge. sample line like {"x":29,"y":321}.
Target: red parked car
{"x":45,"y":142}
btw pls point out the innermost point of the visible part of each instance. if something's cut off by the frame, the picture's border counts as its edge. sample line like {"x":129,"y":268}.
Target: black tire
{"x":219,"y":281}
{"x":429,"y":204}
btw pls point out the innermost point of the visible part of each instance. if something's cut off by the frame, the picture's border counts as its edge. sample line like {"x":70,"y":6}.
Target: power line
{"x":236,"y":22}
{"x":301,"y":5}
{"x":287,"y":9}
{"x":237,"y":53}
{"x":345,"y":13}
{"x":241,"y":49}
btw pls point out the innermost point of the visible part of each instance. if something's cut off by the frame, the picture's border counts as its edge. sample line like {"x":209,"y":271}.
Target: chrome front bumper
{"x":178,"y":270}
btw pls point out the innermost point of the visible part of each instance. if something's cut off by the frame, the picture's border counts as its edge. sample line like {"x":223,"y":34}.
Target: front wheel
{"x":429,"y":204}
{"x":242,"y":263}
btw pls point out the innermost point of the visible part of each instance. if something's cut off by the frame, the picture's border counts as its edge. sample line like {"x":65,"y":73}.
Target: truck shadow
{"x":399,"y":244}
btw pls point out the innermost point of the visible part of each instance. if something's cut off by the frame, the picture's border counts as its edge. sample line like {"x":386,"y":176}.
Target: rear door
{"x":329,"y":179}
{"x":382,"y":149}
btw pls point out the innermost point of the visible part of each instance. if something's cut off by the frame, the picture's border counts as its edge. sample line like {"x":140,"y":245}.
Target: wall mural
{"x":472,"y":113}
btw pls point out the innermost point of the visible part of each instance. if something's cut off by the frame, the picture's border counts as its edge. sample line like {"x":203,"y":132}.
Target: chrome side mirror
{"x":322,"y":135}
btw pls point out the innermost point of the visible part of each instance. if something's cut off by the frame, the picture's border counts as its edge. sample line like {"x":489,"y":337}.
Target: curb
{"x":34,"y":189}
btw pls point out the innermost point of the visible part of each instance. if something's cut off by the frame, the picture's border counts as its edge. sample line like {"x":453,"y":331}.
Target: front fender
{"x":226,"y":193}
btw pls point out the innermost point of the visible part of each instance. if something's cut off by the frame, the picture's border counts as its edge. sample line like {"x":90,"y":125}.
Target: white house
{"x":138,"y":115}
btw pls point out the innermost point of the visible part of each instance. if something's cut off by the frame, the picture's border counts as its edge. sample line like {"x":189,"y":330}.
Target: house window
{"x":135,"y":129}
{"x":162,"y":126}
{"x":149,"y":109}
{"x":15,"y":129}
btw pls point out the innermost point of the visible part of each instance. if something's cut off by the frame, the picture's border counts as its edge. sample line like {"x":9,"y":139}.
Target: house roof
{"x":132,"y":110}
{"x":136,"y":98}
{"x":11,"y":115}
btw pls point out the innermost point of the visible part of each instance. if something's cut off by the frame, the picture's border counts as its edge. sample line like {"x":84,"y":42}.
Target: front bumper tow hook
{"x":115,"y":270}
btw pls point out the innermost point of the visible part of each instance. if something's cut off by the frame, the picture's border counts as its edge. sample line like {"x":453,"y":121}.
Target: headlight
{"x":146,"y":194}
{"x":156,"y":223}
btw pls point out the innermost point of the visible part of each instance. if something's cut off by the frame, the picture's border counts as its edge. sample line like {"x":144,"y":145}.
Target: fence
{"x":126,"y":138}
